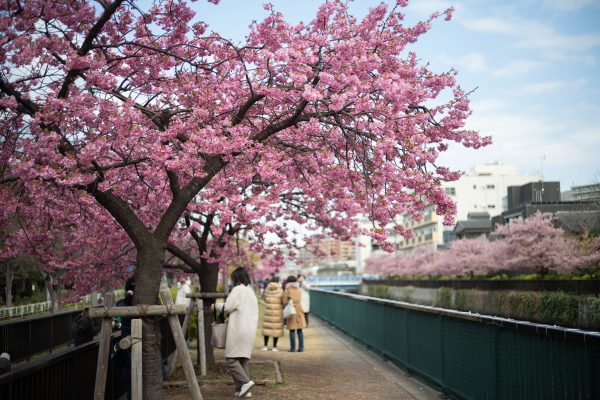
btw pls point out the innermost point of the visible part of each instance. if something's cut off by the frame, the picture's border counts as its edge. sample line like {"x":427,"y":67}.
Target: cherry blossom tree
{"x":532,"y":245}
{"x":135,"y":116}
{"x":535,"y":245}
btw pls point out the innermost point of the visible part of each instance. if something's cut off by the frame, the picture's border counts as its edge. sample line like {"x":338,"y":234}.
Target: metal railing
{"x":471,"y":356}
{"x":69,"y":375}
{"x":571,"y":286}
{"x":29,"y":337}
{"x":20,"y":311}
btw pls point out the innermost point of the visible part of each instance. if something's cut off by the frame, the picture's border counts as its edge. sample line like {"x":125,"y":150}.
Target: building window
{"x":491,"y":206}
{"x":451,"y":191}
{"x":490,"y":187}
{"x":474,"y":186}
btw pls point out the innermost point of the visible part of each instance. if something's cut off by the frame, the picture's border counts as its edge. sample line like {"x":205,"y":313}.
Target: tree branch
{"x":185,"y":257}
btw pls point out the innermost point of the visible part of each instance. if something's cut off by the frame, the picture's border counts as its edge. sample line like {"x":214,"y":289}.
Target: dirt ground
{"x":331,"y":367}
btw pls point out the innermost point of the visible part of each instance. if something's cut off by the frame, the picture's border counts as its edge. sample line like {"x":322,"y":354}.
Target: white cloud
{"x":489,"y":105}
{"x":521,"y":137}
{"x":474,"y":62}
{"x":570,"y":5}
{"x":534,"y":34}
{"x":515,"y":68}
{"x":551,"y":86}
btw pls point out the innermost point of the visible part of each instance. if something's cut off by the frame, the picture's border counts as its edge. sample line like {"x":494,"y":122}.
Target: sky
{"x":535,"y":65}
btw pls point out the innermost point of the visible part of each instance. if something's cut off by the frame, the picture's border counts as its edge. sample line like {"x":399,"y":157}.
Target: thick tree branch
{"x":87,"y":45}
{"x":8,"y":179}
{"x":185,"y":257}
{"x":244,"y":109}
{"x":181,"y":267}
{"x":25,"y":105}
{"x":123,"y":214}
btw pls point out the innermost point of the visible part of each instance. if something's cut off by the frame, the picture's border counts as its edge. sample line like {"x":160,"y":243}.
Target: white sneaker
{"x":246,"y":388}
{"x":265,"y":348}
{"x":237,"y":394}
{"x":275,"y":349}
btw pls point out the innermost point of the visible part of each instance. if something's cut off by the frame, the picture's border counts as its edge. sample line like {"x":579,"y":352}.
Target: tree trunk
{"x":150,"y":260}
{"x":209,"y":278}
{"x":52,"y":291}
{"x":10,"y":274}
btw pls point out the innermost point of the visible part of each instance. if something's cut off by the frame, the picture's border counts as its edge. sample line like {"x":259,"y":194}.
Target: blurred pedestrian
{"x":84,"y":328}
{"x":305,"y":300}
{"x":296,"y":322}
{"x":273,"y":314}
{"x":242,"y":307}
{"x":183,"y":290}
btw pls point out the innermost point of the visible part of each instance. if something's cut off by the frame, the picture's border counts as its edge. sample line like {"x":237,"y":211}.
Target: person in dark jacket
{"x":84,"y":327}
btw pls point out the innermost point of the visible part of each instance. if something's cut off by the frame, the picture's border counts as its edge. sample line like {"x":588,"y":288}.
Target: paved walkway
{"x":333,"y":366}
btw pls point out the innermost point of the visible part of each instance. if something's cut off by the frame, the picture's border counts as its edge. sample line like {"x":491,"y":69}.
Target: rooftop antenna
{"x":542,"y":158}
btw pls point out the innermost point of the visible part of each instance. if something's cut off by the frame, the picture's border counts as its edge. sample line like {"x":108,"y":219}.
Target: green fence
{"x":471,"y":356}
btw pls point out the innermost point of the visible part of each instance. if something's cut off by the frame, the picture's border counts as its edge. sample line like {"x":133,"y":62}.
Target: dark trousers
{"x":266,"y":340}
{"x":239,"y":368}
{"x":293,"y":340}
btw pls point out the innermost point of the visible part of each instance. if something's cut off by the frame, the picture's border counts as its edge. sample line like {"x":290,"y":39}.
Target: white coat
{"x":242,"y":307}
{"x":183,"y":290}
{"x":305,"y":299}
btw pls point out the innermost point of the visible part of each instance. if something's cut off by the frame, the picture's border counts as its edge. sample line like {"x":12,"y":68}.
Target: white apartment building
{"x":483,"y":188}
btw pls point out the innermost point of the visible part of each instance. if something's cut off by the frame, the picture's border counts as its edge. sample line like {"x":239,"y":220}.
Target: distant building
{"x":545,"y":197}
{"x":566,"y":196}
{"x":476,"y":225}
{"x":481,"y":189}
{"x":586,"y":192}
{"x":330,"y":256}
{"x":484,"y":188}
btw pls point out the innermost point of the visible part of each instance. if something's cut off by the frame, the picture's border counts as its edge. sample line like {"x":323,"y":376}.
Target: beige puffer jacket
{"x":273,"y":317}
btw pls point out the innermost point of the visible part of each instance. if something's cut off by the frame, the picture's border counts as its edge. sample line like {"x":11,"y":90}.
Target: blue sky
{"x":535,"y":63}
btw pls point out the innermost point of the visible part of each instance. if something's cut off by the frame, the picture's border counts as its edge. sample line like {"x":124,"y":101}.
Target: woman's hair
{"x":240,"y":276}
{"x":291,"y":279}
{"x":274,"y":279}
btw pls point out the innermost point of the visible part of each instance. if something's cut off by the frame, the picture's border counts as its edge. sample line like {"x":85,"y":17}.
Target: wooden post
{"x":184,"y":328}
{"x":140,"y":310}
{"x":136,"y":359}
{"x":184,"y":355}
{"x":103,"y":351}
{"x":201,"y":338}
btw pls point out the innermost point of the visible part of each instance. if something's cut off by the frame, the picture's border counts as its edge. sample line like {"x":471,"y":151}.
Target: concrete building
{"x":586,"y":192}
{"x":476,"y":225}
{"x":545,"y":197}
{"x":484,"y":188}
{"x":331,"y":256}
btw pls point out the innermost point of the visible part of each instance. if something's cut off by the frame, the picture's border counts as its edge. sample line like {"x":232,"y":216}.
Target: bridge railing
{"x":471,"y":356}
{"x":334,"y":278}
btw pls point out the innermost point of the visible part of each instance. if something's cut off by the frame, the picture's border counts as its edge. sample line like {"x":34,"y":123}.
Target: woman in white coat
{"x":242,"y":307}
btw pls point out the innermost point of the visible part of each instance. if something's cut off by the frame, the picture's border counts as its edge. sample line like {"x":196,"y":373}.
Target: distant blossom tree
{"x":133,"y":116}
{"x":532,"y":245}
{"x":535,"y":245}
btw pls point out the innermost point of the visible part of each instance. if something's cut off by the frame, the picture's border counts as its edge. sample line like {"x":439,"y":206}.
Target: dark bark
{"x":10,"y":273}
{"x":52,"y":291}
{"x":150,"y":259}
{"x":209,"y":277}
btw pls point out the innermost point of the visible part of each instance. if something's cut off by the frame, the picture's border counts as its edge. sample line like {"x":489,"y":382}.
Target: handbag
{"x":289,"y":309}
{"x":219,"y":330}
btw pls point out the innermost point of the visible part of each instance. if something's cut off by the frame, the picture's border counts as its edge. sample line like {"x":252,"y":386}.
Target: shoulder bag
{"x":289,"y":309}
{"x":219,"y":330}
